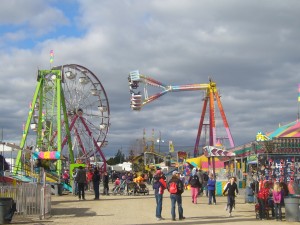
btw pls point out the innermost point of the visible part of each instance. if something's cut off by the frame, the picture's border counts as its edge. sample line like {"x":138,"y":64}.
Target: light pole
{"x":159,"y":141}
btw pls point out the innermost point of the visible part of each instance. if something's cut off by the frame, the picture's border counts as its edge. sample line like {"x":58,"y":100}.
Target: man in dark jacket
{"x":175,"y":196}
{"x":81,"y":180}
{"x":96,"y":182}
{"x":105,"y":184}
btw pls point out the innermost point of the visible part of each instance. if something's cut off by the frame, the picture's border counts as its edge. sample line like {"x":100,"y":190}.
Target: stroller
{"x":142,"y":189}
{"x":119,"y":189}
{"x":132,"y":188}
{"x":267,"y":211}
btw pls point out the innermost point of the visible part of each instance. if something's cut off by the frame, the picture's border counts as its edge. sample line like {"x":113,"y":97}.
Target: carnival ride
{"x":211,"y":95}
{"x":68,"y":117}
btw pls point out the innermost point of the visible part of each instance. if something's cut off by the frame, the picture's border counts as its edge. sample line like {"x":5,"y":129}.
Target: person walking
{"x":105,"y":184}
{"x":96,"y":183}
{"x":211,"y":187}
{"x":176,"y":188}
{"x":195,"y":185}
{"x":232,"y":189}
{"x":81,"y":180}
{"x":159,"y":186}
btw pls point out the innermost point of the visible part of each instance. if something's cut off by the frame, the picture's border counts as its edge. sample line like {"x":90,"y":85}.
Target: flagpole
{"x":51,"y":58}
{"x":298,"y":102}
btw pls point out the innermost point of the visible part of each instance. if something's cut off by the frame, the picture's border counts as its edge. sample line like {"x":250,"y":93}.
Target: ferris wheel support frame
{"x":60,"y":105}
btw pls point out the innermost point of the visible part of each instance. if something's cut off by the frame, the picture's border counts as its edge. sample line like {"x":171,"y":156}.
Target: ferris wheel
{"x":69,"y":114}
{"x":87,"y":109}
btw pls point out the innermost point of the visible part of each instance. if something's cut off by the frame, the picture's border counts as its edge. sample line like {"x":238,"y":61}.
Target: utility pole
{"x":159,"y":141}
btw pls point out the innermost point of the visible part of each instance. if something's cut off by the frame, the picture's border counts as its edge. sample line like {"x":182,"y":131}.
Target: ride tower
{"x":138,"y":101}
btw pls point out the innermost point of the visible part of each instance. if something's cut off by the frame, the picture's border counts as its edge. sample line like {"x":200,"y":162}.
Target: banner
{"x":181,"y":156}
{"x":171,"y":146}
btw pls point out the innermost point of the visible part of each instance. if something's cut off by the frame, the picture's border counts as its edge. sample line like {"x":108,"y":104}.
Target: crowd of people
{"x":269,"y":195}
{"x":89,"y":179}
{"x":195,"y":182}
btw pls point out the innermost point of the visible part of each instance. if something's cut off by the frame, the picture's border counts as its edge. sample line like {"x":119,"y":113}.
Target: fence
{"x":31,"y":199}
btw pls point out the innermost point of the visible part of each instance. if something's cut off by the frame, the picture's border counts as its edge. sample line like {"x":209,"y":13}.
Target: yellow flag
{"x":171,"y":146}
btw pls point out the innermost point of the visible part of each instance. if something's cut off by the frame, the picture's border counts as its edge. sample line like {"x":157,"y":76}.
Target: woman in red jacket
{"x":262,"y":196}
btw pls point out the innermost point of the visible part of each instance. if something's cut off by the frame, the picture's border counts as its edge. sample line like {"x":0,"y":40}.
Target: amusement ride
{"x":69,"y":117}
{"x":139,"y":100}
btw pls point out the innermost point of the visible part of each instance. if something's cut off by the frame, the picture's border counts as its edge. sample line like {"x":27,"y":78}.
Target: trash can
{"x":58,"y":189}
{"x":292,"y":211}
{"x":5,"y":206}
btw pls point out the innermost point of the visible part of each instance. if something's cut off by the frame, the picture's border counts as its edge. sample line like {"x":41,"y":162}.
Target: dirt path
{"x":121,"y":210}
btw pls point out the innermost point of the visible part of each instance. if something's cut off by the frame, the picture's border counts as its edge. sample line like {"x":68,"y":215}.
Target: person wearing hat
{"x":176,"y":188}
{"x":159,"y":186}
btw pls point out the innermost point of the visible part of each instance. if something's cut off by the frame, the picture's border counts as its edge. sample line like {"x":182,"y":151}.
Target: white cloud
{"x":250,"y":49}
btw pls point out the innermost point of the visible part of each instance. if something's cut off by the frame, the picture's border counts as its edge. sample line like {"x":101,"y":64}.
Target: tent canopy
{"x":210,"y":151}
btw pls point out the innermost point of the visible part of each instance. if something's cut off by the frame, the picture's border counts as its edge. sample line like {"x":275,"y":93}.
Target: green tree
{"x":119,"y":157}
{"x":131,"y":155}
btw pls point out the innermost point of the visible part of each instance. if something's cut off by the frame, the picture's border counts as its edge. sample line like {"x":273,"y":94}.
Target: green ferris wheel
{"x":68,"y":117}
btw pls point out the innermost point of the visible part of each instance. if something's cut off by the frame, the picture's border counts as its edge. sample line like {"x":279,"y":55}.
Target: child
{"x":262,"y":196}
{"x":211,"y":187}
{"x":277,"y":196}
{"x":232,"y":189}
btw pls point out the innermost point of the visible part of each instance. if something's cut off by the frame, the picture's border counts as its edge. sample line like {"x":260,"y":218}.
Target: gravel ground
{"x":121,"y":210}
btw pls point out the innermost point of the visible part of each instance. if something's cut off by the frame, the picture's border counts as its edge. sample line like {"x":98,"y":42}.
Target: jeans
{"x":231,"y":202}
{"x":211,"y":194}
{"x":96,"y":189}
{"x":159,"y":200}
{"x":176,"y":198}
{"x":278,"y":212}
{"x":81,"y":190}
{"x":262,"y":207}
{"x":105,"y":189}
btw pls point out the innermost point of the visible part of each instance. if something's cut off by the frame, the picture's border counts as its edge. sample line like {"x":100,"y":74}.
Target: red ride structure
{"x":211,"y":95}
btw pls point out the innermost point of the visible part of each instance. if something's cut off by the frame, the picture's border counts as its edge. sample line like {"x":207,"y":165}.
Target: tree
{"x":119,"y":158}
{"x":131,"y":155}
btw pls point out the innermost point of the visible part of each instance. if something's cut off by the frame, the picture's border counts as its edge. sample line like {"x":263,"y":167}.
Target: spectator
{"x":277,"y":196}
{"x":96,"y":183}
{"x":90,"y":179}
{"x":176,"y":196}
{"x":262,"y":196}
{"x":81,"y":181}
{"x":195,"y":185}
{"x":211,"y":187}
{"x":159,"y":186}
{"x":105,"y":184}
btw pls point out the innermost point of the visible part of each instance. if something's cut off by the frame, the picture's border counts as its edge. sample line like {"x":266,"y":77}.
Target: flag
{"x":51,"y":56}
{"x":298,"y":92}
{"x":171,"y":146}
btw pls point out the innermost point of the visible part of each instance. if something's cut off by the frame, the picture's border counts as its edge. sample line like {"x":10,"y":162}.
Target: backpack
{"x":194,"y":181}
{"x":173,"y":188}
{"x":205,"y":177}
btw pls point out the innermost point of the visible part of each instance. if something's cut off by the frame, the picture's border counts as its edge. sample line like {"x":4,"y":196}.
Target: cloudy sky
{"x":249,"y":48}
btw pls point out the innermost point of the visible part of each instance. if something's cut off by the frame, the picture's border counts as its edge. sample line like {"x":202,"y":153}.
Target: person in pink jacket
{"x":277,"y":196}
